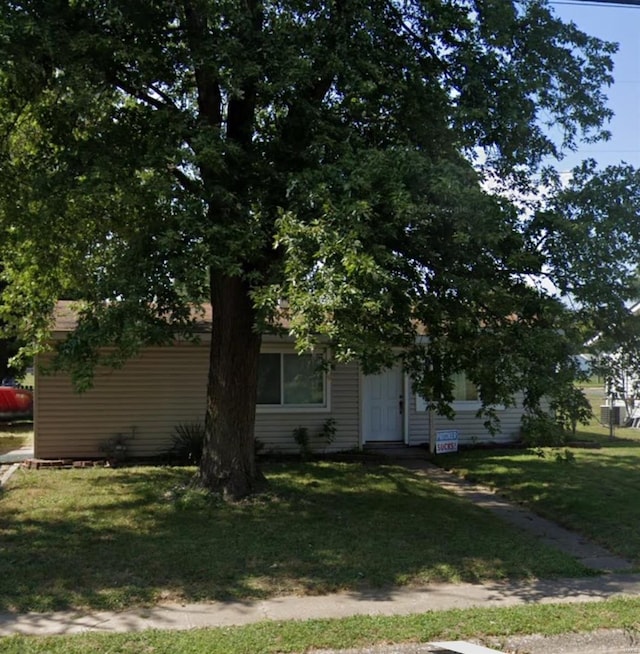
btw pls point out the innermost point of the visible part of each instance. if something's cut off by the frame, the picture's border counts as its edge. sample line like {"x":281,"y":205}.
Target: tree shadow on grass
{"x":595,"y":493}
{"x":133,"y":539}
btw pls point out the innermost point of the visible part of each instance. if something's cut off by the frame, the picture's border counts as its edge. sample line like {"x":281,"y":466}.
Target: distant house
{"x":616,"y":367}
{"x":166,"y":386}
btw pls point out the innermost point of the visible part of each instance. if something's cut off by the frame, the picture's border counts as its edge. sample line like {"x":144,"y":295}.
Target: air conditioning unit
{"x":613,"y":415}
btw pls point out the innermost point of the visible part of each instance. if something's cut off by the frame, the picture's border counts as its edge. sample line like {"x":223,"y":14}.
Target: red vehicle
{"x":15,"y":403}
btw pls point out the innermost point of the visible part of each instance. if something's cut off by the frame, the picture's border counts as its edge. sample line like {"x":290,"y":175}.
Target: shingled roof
{"x":65,"y":316}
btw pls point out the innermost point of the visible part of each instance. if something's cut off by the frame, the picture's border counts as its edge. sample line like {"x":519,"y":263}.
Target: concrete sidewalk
{"x":395,"y":601}
{"x":10,"y":462}
{"x":16,"y":456}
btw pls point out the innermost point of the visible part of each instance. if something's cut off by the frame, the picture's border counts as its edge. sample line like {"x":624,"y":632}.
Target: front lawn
{"x":15,"y":436}
{"x":104,"y":538}
{"x":595,"y":492}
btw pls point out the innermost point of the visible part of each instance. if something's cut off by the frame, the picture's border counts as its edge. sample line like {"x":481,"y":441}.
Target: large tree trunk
{"x":228,"y":463}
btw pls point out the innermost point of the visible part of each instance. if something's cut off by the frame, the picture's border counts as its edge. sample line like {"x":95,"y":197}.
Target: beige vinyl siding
{"x":470,"y":428}
{"x":275,"y":428}
{"x":154,"y":392}
{"x":160,"y":389}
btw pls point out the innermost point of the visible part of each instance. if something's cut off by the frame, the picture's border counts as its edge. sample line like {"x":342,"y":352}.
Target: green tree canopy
{"x":376,"y":164}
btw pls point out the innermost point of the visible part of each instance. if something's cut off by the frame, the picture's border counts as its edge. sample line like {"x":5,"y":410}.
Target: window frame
{"x":421,"y":403}
{"x":466,"y":405}
{"x":325,"y":407}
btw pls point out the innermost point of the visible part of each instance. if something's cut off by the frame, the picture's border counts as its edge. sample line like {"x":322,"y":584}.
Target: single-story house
{"x":164,"y":387}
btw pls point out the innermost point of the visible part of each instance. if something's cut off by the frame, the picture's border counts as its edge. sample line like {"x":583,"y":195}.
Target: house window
{"x":465,"y":395}
{"x":464,"y":390}
{"x":291,"y":380}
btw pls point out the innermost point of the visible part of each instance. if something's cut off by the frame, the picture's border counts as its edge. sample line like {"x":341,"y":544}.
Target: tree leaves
{"x":334,"y":154}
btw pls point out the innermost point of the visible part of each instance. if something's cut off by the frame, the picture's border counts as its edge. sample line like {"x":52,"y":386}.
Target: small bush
{"x":328,"y":431}
{"x":572,"y":407}
{"x":305,"y":440}
{"x":541,"y":430}
{"x":301,"y":437}
{"x":116,"y":449}
{"x":187,"y":442}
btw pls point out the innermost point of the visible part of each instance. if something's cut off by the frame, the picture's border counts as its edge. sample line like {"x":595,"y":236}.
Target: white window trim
{"x":466,"y":405}
{"x":297,"y":408}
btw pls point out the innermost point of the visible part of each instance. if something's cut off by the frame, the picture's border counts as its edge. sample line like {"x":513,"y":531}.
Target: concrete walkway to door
{"x":588,"y":553}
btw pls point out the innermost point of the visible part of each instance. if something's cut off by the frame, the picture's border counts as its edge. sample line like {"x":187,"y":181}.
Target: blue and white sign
{"x":446,"y":441}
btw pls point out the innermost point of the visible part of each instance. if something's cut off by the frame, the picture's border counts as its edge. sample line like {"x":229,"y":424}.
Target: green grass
{"x":105,"y":538}
{"x":492,"y":625}
{"x":595,"y":492}
{"x":15,"y":436}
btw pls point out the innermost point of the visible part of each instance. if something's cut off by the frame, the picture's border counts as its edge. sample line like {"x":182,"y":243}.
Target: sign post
{"x":432,"y":431}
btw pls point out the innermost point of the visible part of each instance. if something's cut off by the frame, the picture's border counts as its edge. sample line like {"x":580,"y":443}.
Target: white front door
{"x":383,"y":406}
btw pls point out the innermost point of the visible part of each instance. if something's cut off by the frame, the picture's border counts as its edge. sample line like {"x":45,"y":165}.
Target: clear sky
{"x":620,"y":24}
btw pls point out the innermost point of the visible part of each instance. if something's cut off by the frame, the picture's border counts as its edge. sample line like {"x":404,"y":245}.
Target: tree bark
{"x":228,"y":463}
